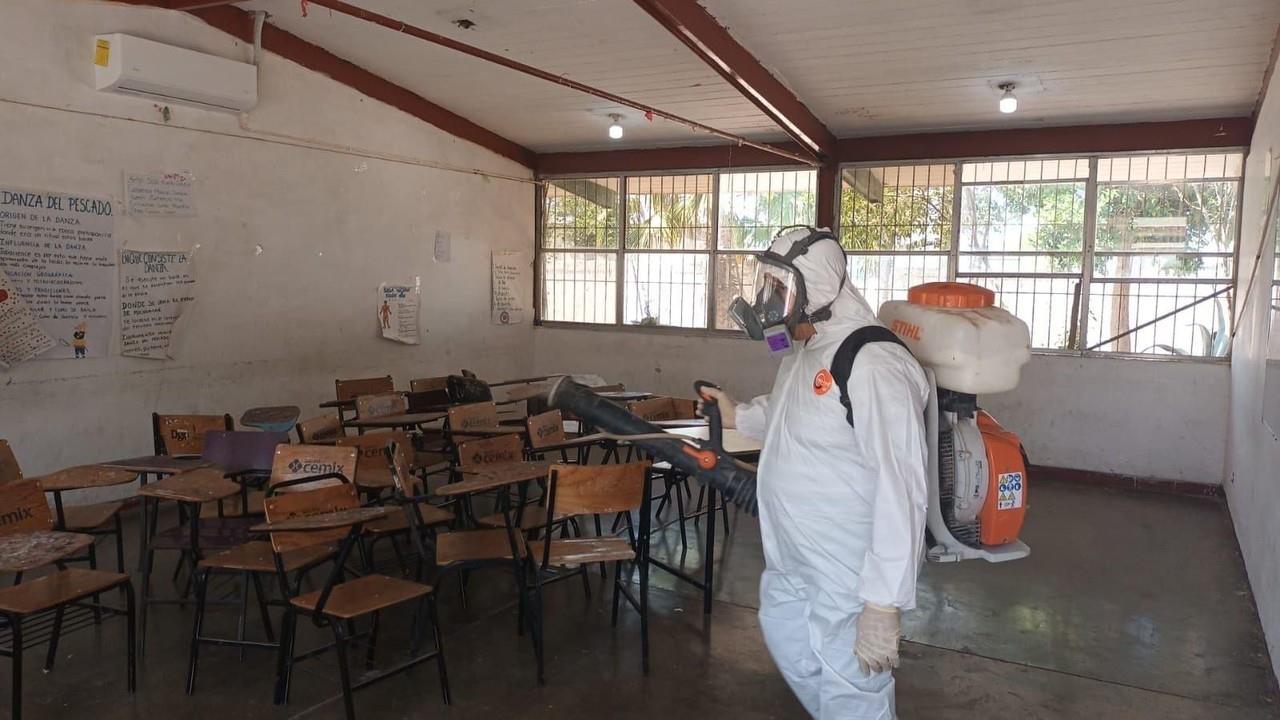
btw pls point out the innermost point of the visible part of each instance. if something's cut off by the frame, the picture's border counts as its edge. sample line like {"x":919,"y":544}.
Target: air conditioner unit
{"x":167,"y":74}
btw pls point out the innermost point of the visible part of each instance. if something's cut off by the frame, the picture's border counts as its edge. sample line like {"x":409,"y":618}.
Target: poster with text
{"x":21,"y":337}
{"x":510,"y":279}
{"x":160,"y":194}
{"x":59,"y":252}
{"x":398,"y":312}
{"x":155,"y":289}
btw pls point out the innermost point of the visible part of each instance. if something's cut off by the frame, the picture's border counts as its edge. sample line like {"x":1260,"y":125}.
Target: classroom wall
{"x":1253,"y":488}
{"x":269,"y":327}
{"x":1128,"y":416}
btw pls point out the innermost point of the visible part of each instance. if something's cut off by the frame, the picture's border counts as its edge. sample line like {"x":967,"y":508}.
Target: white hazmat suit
{"x":842,"y":510}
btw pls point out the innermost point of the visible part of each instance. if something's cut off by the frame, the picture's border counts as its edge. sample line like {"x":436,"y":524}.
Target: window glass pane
{"x":1162,"y":168}
{"x":1020,"y":263}
{"x":755,"y":205}
{"x":735,"y":277}
{"x":1165,"y":217}
{"x":666,"y":289}
{"x":1022,"y":217}
{"x":881,"y":278}
{"x":579,"y":287}
{"x":1199,"y":266}
{"x":581,"y":213}
{"x":1044,"y":304}
{"x":1199,"y":329}
{"x":669,"y":212}
{"x":897,"y":207}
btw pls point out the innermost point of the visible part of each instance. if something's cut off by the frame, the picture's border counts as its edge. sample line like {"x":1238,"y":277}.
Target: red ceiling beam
{"x":708,"y":39}
{"x":1132,"y":137}
{"x":239,"y":23}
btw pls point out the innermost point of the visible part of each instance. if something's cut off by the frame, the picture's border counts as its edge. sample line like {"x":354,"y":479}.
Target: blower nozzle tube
{"x":706,"y":460}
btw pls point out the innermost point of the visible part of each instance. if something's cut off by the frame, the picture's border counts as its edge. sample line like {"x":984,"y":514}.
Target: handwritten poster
{"x":164,"y":194}
{"x":155,"y":289}
{"x":21,"y":337}
{"x":444,"y":247}
{"x":510,"y":279}
{"x":60,"y":255}
{"x":398,"y":312}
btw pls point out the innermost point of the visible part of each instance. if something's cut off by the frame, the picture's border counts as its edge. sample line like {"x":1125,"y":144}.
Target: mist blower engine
{"x":978,"y":472}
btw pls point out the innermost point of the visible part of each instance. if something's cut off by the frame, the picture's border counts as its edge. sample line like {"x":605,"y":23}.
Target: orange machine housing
{"x":1001,"y":515}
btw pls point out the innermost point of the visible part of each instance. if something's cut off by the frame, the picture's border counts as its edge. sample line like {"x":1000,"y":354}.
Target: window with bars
{"x":1154,"y":276}
{"x":688,"y":243}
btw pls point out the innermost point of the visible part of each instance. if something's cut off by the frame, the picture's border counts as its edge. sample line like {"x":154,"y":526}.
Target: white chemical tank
{"x":956,"y":330}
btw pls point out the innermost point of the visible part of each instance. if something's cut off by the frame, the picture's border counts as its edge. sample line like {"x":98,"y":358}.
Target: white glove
{"x":877,"y":644}
{"x":728,"y":406}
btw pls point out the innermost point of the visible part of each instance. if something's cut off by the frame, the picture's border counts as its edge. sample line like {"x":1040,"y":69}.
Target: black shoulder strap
{"x":842,"y":364}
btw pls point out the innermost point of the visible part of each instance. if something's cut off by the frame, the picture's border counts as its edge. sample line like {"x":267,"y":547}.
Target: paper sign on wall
{"x":444,"y":247}
{"x":155,"y":289}
{"x":164,"y":194}
{"x":60,"y":254}
{"x":510,"y":278}
{"x":21,"y":337}
{"x":398,"y":312}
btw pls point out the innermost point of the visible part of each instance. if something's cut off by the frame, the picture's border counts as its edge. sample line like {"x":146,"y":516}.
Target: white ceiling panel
{"x":864,"y":67}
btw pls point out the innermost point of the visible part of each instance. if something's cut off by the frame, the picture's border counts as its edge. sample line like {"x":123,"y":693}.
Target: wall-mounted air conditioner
{"x":167,"y":74}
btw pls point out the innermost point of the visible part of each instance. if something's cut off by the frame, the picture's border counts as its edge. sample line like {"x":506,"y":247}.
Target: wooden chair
{"x":27,"y":543}
{"x":674,"y":483}
{"x":299,"y":521}
{"x":349,"y":390}
{"x":321,"y":429}
{"x":183,"y":435}
{"x":574,"y":490}
{"x":664,"y":408}
{"x":292,"y":467}
{"x":377,"y":481}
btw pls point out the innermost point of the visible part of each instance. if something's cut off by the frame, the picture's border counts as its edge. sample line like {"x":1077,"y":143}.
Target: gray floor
{"x":1130,"y":606}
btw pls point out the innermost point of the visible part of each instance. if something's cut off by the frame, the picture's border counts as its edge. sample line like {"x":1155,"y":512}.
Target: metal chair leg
{"x":119,"y":532}
{"x":93,"y":565}
{"x":617,"y":591}
{"x":197,"y":627}
{"x":373,"y":640}
{"x":284,"y":656}
{"x":262,"y":607}
{"x":344,"y":673}
{"x":15,"y":622}
{"x":439,"y":638}
{"x":52,"y":654}
{"x":243,"y":618}
{"x":131,"y":657}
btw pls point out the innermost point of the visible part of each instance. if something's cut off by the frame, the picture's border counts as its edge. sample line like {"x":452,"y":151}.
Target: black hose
{"x":707,"y":460}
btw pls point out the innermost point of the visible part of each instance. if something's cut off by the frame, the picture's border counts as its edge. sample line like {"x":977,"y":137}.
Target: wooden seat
{"x":363,"y":595}
{"x":257,"y":556}
{"x":576,"y":551}
{"x":90,"y":517}
{"x":399,"y":522}
{"x":57,"y":589}
{"x":27,"y":551}
{"x":476,"y":546}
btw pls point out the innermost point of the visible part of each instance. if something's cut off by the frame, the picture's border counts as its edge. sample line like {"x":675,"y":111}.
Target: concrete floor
{"x":1130,"y":606}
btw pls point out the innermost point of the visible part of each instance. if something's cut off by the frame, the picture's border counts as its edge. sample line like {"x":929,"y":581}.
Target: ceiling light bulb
{"x":615,"y":130}
{"x":1008,"y":101}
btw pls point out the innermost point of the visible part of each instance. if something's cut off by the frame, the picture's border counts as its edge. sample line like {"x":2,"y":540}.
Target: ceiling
{"x":864,"y":67}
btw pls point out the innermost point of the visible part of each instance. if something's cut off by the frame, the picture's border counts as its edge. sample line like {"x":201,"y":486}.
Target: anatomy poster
{"x":510,"y":278}
{"x":21,"y":337}
{"x":59,"y":252}
{"x":155,"y":288}
{"x":398,"y":312}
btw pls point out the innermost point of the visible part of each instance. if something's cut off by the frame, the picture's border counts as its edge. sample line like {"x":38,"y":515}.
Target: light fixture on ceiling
{"x":615,"y":130}
{"x":1008,"y":101}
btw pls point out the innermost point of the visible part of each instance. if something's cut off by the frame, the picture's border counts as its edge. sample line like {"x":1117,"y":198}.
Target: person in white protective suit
{"x":842,"y":509}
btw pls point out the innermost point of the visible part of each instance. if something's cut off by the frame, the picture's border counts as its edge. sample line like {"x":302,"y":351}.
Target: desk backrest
{"x":184,"y":434}
{"x":313,"y":501}
{"x":475,"y":415}
{"x":351,"y":389}
{"x":501,"y":449}
{"x":545,"y":429}
{"x":236,"y":451}
{"x":429,"y":383}
{"x":597,"y":489}
{"x":295,"y":462}
{"x":371,"y":464}
{"x":10,"y":470}
{"x":320,"y":428}
{"x":23,"y":508}
{"x":381,"y":405}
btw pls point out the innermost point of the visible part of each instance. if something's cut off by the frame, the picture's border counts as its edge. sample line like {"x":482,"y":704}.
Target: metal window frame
{"x":621,"y":252}
{"x":1085,"y":276}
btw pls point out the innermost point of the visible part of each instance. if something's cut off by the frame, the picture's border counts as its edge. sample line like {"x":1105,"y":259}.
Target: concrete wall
{"x":1253,"y":488}
{"x":1138,"y":417}
{"x":269,"y":328}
